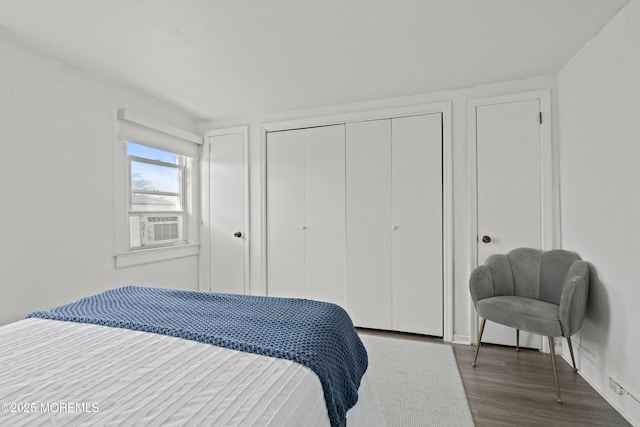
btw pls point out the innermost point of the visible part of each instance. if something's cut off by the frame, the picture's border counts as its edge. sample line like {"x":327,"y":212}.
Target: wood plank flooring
{"x":509,"y":388}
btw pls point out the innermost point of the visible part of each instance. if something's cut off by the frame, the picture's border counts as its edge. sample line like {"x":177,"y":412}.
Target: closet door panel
{"x":285,"y":214}
{"x":325,"y":214}
{"x":417,"y":224}
{"x":368,"y":223}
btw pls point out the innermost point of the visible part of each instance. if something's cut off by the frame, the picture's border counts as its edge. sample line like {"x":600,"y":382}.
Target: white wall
{"x":461,"y":238}
{"x":599,"y":100}
{"x":57,"y":174}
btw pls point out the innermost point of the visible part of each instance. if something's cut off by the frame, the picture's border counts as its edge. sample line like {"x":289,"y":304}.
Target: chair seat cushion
{"x":522,"y":313}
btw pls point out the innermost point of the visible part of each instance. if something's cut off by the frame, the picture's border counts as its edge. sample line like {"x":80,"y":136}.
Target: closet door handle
{"x":237,"y":234}
{"x":486,"y":239}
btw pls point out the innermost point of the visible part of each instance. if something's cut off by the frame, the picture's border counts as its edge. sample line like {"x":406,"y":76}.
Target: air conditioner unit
{"x":158,"y":229}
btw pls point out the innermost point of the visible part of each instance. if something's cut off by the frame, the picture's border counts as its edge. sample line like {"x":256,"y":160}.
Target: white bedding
{"x":66,"y":373}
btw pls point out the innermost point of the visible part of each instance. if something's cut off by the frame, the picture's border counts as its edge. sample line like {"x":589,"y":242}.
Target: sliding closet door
{"x":368,"y":223}
{"x":286,"y":213}
{"x":324,"y":214}
{"x":417,"y":224}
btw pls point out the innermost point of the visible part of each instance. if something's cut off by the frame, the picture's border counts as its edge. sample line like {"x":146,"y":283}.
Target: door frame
{"x":444,"y":108}
{"x":549,"y":190}
{"x":204,"y":282}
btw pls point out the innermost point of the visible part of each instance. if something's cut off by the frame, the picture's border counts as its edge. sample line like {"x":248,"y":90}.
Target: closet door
{"x":325,"y":214}
{"x":368,"y":223}
{"x":417,"y":224}
{"x":286,"y":213}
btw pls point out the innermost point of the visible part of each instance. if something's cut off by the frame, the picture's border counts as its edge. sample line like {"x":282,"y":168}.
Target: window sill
{"x":147,"y":256}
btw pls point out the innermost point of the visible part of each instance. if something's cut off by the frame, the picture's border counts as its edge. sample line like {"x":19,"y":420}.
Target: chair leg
{"x":552,"y":347}
{"x":573,"y":360}
{"x":517,"y":339}
{"x":478,"y":344}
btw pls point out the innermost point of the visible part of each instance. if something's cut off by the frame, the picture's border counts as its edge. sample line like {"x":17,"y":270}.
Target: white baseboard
{"x":625,"y":401}
{"x":461,"y":339}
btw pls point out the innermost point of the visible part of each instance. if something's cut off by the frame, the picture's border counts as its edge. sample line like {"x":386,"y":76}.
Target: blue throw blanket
{"x":315,"y":334}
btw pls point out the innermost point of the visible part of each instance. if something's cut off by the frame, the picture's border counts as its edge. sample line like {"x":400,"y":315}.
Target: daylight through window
{"x":156,"y":196}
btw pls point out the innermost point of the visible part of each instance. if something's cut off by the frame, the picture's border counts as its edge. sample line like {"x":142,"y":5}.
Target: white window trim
{"x":147,"y":256}
{"x":124,"y":256}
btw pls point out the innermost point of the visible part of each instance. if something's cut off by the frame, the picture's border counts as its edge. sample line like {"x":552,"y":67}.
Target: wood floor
{"x":509,"y":388}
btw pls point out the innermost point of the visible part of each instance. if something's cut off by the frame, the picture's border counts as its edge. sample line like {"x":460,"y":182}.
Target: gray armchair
{"x":540,"y":292}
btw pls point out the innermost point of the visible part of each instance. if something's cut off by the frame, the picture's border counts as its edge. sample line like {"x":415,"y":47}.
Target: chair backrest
{"x":531,"y":273}
{"x":555,"y":265}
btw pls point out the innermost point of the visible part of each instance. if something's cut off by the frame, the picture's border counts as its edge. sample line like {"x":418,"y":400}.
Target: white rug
{"x":417,"y":383}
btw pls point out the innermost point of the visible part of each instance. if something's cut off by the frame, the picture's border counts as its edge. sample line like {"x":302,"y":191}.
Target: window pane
{"x":151,"y":153}
{"x":154,"y":202}
{"x":148,"y":177}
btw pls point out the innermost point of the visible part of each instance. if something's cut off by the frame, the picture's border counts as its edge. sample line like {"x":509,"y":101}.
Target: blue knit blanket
{"x":315,"y":334}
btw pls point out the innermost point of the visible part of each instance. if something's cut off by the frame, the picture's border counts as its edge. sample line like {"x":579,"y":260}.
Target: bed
{"x":151,"y":356}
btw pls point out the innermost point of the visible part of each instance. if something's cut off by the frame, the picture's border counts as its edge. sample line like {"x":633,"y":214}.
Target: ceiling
{"x":216,"y":58}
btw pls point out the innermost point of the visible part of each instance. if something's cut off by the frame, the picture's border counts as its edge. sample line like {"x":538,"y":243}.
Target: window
{"x":157,"y":203}
{"x":156,"y":196}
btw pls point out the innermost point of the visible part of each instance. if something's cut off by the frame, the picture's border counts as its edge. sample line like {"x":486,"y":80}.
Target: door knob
{"x":486,"y":239}
{"x":237,"y":234}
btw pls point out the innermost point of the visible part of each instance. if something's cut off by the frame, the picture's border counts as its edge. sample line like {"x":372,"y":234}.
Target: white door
{"x":325,"y":214}
{"x":305,"y":213}
{"x":227,"y":212}
{"x":286,"y":214}
{"x":509,"y":177}
{"x":417,"y":224}
{"x":368,"y":161}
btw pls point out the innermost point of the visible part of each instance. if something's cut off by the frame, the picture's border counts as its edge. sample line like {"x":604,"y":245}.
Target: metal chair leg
{"x":573,"y":360}
{"x":517,"y":339}
{"x":552,"y":347}
{"x":478,"y":344}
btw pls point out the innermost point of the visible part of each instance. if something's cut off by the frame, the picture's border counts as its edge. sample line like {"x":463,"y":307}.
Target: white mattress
{"x":67,"y":373}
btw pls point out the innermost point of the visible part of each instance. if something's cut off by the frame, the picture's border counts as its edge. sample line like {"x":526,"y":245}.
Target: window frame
{"x":182,"y":194}
{"x":182,"y":165}
{"x":134,"y":128}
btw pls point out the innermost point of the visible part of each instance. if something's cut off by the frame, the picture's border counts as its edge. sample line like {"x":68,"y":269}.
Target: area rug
{"x":417,"y":383}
